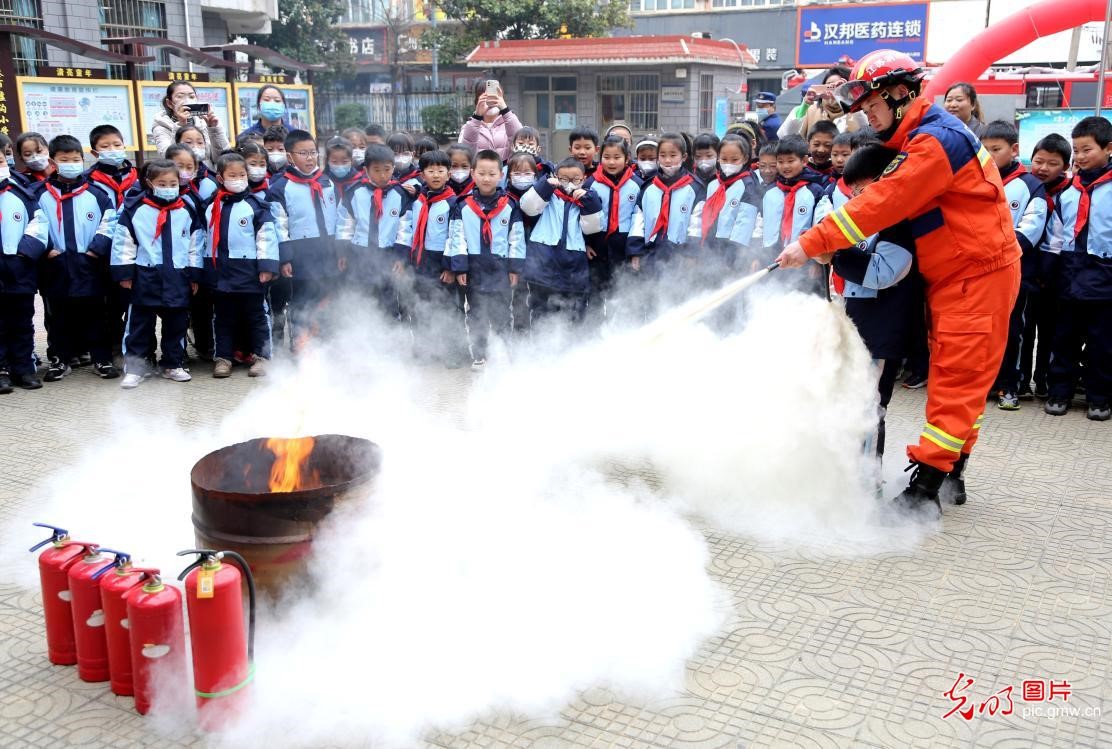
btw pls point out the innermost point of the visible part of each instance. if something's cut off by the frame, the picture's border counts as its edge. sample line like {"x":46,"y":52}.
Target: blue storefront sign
{"x":827,"y":33}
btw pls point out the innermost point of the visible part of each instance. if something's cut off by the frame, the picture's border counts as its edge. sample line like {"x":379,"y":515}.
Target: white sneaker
{"x":131,"y":380}
{"x":478,"y":364}
{"x":177,"y":375}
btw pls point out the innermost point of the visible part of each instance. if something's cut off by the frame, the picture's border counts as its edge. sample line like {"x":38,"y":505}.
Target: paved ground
{"x":852,"y":652}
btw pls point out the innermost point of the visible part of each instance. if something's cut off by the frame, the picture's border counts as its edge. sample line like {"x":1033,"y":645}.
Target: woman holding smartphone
{"x":180,"y":107}
{"x":492,"y":125}
{"x":819,"y":104}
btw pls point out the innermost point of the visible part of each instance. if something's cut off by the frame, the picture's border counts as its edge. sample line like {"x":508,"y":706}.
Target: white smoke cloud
{"x":514,"y":550}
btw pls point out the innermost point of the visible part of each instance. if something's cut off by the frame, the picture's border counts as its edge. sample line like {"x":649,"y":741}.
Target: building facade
{"x":195,"y":23}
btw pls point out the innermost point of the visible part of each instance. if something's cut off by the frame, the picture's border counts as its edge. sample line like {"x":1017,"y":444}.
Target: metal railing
{"x":394,"y":111}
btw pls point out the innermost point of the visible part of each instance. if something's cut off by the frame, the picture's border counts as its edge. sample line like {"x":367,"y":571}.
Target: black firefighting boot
{"x":921,"y":494}
{"x":954,"y":485}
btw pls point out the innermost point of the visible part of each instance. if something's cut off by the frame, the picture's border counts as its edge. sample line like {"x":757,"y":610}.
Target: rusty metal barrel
{"x":233,"y":507}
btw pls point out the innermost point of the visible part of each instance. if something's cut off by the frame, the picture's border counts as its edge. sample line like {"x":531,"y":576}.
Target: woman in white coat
{"x":175,"y":115}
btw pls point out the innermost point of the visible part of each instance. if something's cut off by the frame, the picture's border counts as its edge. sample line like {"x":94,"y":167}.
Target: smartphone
{"x":197,"y":107}
{"x":492,"y":88}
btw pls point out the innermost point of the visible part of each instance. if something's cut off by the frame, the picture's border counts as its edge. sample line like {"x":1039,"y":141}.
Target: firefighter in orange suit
{"x":946,"y":184}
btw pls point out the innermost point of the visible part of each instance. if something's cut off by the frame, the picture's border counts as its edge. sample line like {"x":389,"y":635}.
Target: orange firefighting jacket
{"x":947,"y":185}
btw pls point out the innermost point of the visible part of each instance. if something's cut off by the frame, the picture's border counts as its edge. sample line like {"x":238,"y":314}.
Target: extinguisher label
{"x":205,"y":585}
{"x":65,"y":595}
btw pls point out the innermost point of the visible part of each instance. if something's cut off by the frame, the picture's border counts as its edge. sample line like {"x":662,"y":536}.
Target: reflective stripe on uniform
{"x":941,"y":438}
{"x":846,"y":225}
{"x":977,"y":423}
{"x":983,"y":156}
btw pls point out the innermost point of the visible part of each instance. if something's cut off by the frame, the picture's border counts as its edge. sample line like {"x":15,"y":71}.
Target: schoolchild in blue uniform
{"x":789,"y":207}
{"x":367,"y":229}
{"x":18,"y":283}
{"x":240,"y":259}
{"x":7,"y":155}
{"x":1026,"y":198}
{"x":521,"y":172}
{"x":200,"y":304}
{"x":156,"y":252}
{"x":115,"y":175}
{"x":704,"y":156}
{"x":72,"y":233}
{"x":406,"y":172}
{"x":556,"y":264}
{"x":840,"y":150}
{"x":462,"y":157}
{"x":583,"y":147}
{"x":526,"y":141}
{"x":1081,"y":235}
{"x":304,"y":203}
{"x":486,"y":251}
{"x":34,"y":152}
{"x":274,"y":141}
{"x":820,"y":147}
{"x":1050,"y":161}
{"x":667,"y":222}
{"x":341,"y":166}
{"x":731,"y":209}
{"x":645,"y":155}
{"x":432,"y":295}
{"x":258,"y":176}
{"x":882,"y":289}
{"x":204,"y":181}
{"x":618,"y":186}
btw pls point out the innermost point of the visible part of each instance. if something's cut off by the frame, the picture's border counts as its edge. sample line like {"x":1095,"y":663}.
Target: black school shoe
{"x":5,"y":383}
{"x":1099,"y":412}
{"x":106,"y":371}
{"x":57,"y":370}
{"x":27,"y":381}
{"x":1056,"y":406}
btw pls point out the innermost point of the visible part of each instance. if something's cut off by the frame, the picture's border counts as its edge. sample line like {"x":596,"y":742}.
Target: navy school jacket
{"x":74,"y":220}
{"x":1084,"y":251}
{"x":488,"y":259}
{"x":423,"y":232}
{"x":305,"y":218}
{"x":18,"y":272}
{"x":243,"y":245}
{"x":159,"y":262}
{"x":556,"y":249}
{"x":204,"y":182}
{"x":683,"y":233}
{"x":1026,"y":196}
{"x":730,"y":214}
{"x":366,"y":237}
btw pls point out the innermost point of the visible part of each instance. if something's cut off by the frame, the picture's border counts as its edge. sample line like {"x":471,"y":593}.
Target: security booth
{"x":652,"y":84}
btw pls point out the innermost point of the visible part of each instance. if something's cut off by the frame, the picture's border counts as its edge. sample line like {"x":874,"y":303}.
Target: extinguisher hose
{"x":246,"y":570}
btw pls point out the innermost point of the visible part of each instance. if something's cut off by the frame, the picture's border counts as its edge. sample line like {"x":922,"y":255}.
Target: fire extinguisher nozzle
{"x":57,"y":534}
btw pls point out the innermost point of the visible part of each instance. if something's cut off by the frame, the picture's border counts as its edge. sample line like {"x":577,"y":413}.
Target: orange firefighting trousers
{"x":967,"y":334}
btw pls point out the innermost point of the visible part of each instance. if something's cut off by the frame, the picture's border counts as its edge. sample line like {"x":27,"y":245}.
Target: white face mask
{"x":646,"y":166}
{"x":706,"y":165}
{"x":5,"y":172}
{"x":37,"y":162}
{"x":403,"y":162}
{"x":199,"y":152}
{"x":670,"y":171}
{"x":256,"y":173}
{"x":185,"y":176}
{"x":521,"y":182}
{"x":358,"y":154}
{"x":235,"y":185}
{"x":729,"y":170}
{"x":459,"y":175}
{"x":568,"y":187}
{"x":277,"y":159}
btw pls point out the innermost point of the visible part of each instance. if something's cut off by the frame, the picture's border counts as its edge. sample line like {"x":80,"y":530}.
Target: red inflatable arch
{"x":1010,"y":34}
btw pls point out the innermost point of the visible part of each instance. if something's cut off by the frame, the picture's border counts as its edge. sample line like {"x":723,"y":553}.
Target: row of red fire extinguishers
{"x":123,"y":624}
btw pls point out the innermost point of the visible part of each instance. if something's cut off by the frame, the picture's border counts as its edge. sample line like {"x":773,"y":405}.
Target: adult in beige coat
{"x":175,"y":115}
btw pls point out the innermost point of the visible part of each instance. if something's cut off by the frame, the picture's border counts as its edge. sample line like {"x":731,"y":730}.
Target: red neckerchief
{"x":379,"y":193}
{"x":409,"y":175}
{"x":716,"y":202}
{"x":1019,"y":169}
{"x":313,"y":183}
{"x":59,"y":198}
{"x":163,"y":212}
{"x":343,"y":186}
{"x":262,"y":186}
{"x":427,"y":202}
{"x":666,"y":201}
{"x":1054,"y":189}
{"x":1083,"y":203}
{"x":844,"y":188}
{"x":789,"y":207}
{"x":39,"y":176}
{"x":485,"y":216}
{"x":120,"y":187}
{"x":567,"y":198}
{"x":615,"y":195}
{"x":214,"y":222}
{"x":466,"y":189}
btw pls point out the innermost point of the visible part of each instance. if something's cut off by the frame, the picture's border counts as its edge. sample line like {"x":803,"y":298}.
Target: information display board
{"x":53,"y":106}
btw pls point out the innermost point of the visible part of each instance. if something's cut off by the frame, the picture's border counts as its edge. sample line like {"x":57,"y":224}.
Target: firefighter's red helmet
{"x":876,"y":70}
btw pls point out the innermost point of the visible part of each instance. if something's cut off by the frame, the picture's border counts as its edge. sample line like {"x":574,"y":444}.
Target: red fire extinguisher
{"x":88,"y":615}
{"x":54,"y":563}
{"x":114,"y":587}
{"x":157,"y":637}
{"x":223,"y":654}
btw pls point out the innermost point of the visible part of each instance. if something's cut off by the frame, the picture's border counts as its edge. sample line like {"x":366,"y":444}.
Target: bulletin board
{"x":151,"y":94}
{"x":56,"y":106}
{"x":299,"y":105}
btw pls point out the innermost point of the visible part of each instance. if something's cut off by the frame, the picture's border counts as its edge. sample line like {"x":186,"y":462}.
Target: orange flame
{"x":289,"y":473}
